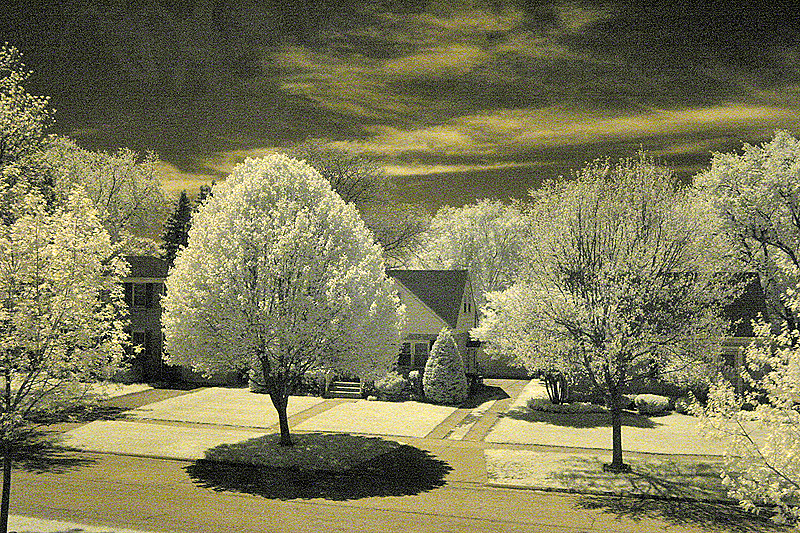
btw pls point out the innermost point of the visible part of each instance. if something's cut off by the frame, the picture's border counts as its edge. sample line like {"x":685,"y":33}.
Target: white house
{"x":436,"y":299}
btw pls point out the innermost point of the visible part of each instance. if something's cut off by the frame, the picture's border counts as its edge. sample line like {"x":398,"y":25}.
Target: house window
{"x":405,"y":355}
{"x":140,"y":294}
{"x":421,"y":351}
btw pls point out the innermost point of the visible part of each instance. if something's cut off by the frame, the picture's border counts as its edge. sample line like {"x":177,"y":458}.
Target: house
{"x":436,"y":299}
{"x":745,"y":309}
{"x":144,"y":287}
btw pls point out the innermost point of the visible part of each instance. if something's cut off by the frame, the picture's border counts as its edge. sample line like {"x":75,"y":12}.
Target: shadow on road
{"x":712,"y":516}
{"x":580,"y":420}
{"x":39,"y":452}
{"x":329,"y":466}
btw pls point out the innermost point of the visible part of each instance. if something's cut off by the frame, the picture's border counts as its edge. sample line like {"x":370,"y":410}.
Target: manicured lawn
{"x":404,"y":419}
{"x":669,"y":434}
{"x":223,"y":406}
{"x":310,"y":451}
{"x":664,"y":477}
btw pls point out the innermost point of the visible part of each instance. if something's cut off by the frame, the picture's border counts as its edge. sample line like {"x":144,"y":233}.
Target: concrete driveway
{"x":185,"y":424}
{"x":181,"y":424}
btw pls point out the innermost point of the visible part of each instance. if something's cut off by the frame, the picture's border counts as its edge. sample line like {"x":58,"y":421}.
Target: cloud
{"x":441,"y":62}
{"x":508,"y":132}
{"x":417,"y":169}
{"x":173,"y":181}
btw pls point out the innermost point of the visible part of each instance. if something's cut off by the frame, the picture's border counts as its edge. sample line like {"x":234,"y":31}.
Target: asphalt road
{"x":163,"y":495}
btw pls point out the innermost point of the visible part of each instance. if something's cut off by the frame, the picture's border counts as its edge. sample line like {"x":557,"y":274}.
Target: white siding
{"x":419,"y":318}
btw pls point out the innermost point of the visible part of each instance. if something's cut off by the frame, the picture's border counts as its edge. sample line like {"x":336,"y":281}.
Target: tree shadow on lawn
{"x":319,"y":465}
{"x":581,"y":420}
{"x":685,"y":492}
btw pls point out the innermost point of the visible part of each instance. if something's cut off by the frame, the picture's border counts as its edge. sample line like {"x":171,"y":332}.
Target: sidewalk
{"x":498,"y":442}
{"x":25,"y":524}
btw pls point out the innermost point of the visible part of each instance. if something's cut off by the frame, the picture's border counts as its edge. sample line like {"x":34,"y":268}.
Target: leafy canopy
{"x":756,"y":198}
{"x":61,"y":321}
{"x":760,"y":424}
{"x":485,"y":238}
{"x":279,"y":269}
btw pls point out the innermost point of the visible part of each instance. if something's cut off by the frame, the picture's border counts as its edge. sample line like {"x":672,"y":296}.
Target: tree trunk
{"x":617,"y":465}
{"x":280,"y":401}
{"x":6,"y":501}
{"x":616,"y":437}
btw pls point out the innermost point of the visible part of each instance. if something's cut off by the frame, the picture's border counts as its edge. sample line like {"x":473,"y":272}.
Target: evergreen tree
{"x":176,"y":228}
{"x":202,"y":196}
{"x":444,"y":380}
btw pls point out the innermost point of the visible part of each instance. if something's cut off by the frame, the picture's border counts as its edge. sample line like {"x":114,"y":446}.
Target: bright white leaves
{"x":609,"y":277}
{"x":61,"y":319}
{"x":756,"y":195}
{"x":762,"y":462}
{"x":485,"y":238}
{"x":23,"y":117}
{"x":279,"y":268}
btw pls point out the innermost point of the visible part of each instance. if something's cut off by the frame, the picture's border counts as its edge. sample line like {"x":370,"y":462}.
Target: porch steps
{"x":344,"y":389}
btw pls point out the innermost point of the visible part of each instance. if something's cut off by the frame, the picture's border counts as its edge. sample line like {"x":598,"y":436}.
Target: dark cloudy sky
{"x":460,"y":99}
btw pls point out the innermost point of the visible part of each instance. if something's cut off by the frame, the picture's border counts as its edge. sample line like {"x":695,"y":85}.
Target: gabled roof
{"x":145,"y":266}
{"x":441,"y":290}
{"x":746,"y":308}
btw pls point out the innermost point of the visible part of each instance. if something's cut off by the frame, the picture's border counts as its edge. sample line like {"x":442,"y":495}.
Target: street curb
{"x":727,"y":501}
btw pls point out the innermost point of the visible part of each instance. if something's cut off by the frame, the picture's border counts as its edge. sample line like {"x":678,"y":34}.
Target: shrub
{"x":651,"y":404}
{"x":544,"y":404}
{"x":683,"y":405}
{"x":416,"y":384}
{"x":629,"y":401}
{"x":444,"y":380}
{"x":393,"y":387}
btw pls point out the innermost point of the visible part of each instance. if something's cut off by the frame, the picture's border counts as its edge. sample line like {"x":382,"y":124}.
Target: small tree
{"x":760,"y":426}
{"x":444,"y":380}
{"x":280,"y":275}
{"x":176,"y":229}
{"x":614,"y":283}
{"x":60,"y":309}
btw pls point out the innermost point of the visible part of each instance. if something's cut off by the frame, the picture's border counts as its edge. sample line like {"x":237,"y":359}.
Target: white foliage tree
{"x":613,"y":283}
{"x":760,"y":426}
{"x":485,"y":238}
{"x":24,"y":119}
{"x":280,"y":274}
{"x":123,"y":186}
{"x":61,"y":315}
{"x":756,"y":196}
